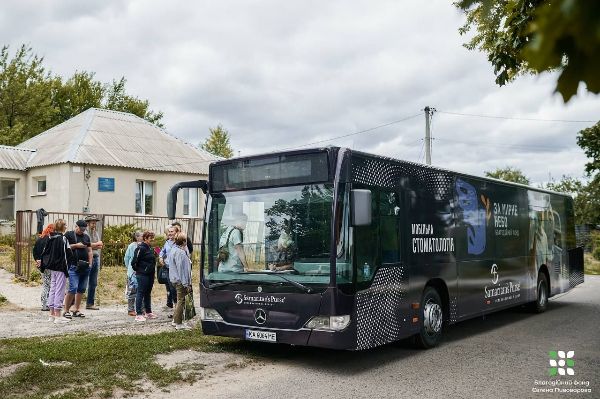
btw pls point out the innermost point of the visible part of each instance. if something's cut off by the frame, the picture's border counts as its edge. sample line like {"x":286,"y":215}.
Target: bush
{"x":35,"y":276}
{"x":595,"y":239}
{"x":7,"y":240}
{"x":116,"y":239}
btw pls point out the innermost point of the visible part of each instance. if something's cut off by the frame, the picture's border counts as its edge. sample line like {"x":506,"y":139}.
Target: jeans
{"x":56,"y":295}
{"x":143,"y":296}
{"x":77,"y":281}
{"x":93,"y":281}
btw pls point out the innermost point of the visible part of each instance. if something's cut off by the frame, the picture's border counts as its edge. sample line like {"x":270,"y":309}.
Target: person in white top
{"x":232,"y":239}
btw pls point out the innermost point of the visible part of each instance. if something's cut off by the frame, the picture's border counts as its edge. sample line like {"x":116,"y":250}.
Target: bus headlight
{"x":209,"y":314}
{"x":328,"y":323}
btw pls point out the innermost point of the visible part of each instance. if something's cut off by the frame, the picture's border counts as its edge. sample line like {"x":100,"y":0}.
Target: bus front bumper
{"x":345,"y":339}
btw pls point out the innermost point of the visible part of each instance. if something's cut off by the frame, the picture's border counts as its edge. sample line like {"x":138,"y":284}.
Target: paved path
{"x":500,"y":356}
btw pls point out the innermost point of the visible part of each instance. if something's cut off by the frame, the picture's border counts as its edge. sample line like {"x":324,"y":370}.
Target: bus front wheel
{"x":432,"y":319}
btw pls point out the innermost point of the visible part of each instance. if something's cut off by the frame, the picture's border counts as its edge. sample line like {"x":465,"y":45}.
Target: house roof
{"x":14,"y":158}
{"x":111,"y":138}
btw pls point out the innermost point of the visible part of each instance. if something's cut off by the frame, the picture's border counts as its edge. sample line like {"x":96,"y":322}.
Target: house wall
{"x":122,"y":200}
{"x":67,"y":189}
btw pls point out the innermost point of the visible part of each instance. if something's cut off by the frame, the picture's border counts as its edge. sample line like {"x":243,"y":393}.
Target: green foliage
{"x":3,"y":300}
{"x":508,"y":174}
{"x":25,"y":96}
{"x":118,"y":100}
{"x":218,"y":142}
{"x":116,"y":239}
{"x":589,"y":140}
{"x":595,"y":239}
{"x":586,"y":197}
{"x":33,"y":100}
{"x":7,"y":240}
{"x":35,"y":276}
{"x":533,"y":36}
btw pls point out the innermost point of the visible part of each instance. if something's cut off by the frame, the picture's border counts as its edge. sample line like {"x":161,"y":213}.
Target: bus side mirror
{"x":361,"y":207}
{"x":172,"y":194}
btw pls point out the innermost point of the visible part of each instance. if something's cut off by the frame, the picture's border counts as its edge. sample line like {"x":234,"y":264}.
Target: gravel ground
{"x":27,"y":320}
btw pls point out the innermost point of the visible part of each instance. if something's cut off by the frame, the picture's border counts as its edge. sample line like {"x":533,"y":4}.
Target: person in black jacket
{"x":38,"y":248}
{"x":144,"y":265}
{"x":56,"y":257}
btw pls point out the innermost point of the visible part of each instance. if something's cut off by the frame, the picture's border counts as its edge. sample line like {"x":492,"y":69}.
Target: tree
{"x":533,"y":36}
{"x":586,"y":197}
{"x":589,"y":140}
{"x":25,"y":96}
{"x":118,"y":100}
{"x":33,"y":100}
{"x":76,"y":94}
{"x":218,"y":142}
{"x":508,"y":174}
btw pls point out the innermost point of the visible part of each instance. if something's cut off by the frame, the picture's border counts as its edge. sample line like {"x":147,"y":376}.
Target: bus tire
{"x":432,"y":319}
{"x":541,"y":298}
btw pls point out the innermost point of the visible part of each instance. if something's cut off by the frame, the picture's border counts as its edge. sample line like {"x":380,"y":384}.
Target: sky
{"x":280,"y":75}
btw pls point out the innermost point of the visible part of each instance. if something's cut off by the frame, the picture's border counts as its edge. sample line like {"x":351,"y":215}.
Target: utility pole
{"x":428,"y":114}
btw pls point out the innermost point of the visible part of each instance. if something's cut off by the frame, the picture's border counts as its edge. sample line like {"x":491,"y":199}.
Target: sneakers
{"x":45,"y":309}
{"x":61,"y":320}
{"x":151,"y":316}
{"x":132,"y":313}
{"x":182,"y":327}
{"x":140,"y":318}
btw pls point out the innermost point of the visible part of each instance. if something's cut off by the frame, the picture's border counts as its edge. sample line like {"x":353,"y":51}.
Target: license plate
{"x":258,"y":335}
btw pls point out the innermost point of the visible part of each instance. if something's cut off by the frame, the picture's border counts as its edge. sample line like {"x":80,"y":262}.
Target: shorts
{"x":78,"y":281}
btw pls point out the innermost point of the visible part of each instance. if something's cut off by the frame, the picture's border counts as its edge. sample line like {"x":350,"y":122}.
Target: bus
{"x":337,"y":248}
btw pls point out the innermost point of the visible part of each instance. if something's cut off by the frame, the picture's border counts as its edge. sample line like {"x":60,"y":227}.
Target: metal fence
{"x":26,"y":232}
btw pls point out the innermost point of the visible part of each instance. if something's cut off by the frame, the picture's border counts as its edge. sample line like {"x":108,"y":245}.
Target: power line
{"x":517,"y":118}
{"x":355,"y":133}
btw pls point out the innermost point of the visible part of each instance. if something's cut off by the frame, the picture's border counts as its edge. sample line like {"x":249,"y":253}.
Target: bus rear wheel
{"x":541,"y":301}
{"x":432,"y":319}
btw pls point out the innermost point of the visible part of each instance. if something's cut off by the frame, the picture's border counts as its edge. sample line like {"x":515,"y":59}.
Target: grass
{"x":3,"y":300}
{"x":591,"y":265}
{"x":97,"y":366}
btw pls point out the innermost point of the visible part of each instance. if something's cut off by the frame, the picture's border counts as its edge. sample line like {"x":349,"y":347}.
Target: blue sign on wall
{"x":106,"y":184}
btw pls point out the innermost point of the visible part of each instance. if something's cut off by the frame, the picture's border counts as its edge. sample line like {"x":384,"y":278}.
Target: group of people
{"x":74,"y":256}
{"x":140,"y":260}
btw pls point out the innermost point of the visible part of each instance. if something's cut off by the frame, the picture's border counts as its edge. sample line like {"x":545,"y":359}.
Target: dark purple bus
{"x":341,"y":249}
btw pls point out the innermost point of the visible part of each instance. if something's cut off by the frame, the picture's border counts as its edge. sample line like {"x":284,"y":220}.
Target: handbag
{"x":163,"y":275}
{"x":189,"y":310}
{"x":82,"y":266}
{"x":223,"y":253}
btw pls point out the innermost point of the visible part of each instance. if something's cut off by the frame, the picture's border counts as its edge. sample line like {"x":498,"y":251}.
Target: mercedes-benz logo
{"x":260,"y":316}
{"x":259,"y":289}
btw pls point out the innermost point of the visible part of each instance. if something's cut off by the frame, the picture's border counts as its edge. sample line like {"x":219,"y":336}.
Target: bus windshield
{"x":274,"y":237}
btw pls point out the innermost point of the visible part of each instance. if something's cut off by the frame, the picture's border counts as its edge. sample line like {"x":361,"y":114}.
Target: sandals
{"x":78,"y":314}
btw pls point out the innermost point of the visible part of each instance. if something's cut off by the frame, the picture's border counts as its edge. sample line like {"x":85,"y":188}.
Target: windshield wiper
{"x":296,"y":284}
{"x":223,"y":284}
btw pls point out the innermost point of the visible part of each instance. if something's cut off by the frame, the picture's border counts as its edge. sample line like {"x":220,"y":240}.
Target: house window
{"x":7,"y":199}
{"x":190,"y":202}
{"x":144,"y":197}
{"x":39,"y":184}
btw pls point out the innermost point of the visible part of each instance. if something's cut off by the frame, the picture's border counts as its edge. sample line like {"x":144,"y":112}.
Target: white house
{"x":102,"y":162}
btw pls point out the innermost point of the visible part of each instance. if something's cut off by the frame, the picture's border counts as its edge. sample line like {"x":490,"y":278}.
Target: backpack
{"x":54,"y":254}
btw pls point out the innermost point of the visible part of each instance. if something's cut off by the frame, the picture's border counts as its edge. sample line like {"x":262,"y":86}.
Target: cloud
{"x":281,"y":74}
